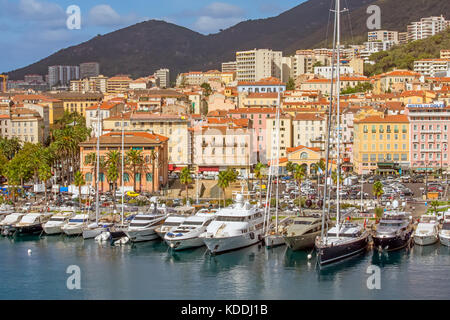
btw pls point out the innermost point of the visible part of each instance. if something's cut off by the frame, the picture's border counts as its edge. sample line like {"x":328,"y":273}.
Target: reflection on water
{"x":149,"y":270}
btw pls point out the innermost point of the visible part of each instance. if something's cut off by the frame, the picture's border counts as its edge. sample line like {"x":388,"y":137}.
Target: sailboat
{"x":273,"y":233}
{"x":345,"y":239}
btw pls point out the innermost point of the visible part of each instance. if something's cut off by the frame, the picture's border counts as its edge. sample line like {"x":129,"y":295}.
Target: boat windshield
{"x":303,"y":222}
{"x":193,"y":223}
{"x":29,"y":219}
{"x":76,"y":220}
{"x":171,"y":224}
{"x":390,"y":224}
{"x":230,"y":219}
{"x":57,"y":219}
{"x":446,"y":226}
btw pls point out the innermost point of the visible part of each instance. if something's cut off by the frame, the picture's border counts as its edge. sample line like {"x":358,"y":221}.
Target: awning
{"x":213,"y":169}
{"x":172,"y":167}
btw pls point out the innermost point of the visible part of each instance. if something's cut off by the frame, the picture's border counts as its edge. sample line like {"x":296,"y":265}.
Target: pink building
{"x":258,"y":117}
{"x":430,"y":129}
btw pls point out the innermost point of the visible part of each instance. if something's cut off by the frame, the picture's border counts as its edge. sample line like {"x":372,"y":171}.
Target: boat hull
{"x":392,"y":243}
{"x":425,"y":240}
{"x":301,"y":242}
{"x":184,"y":243}
{"x":74,"y":231}
{"x":92,"y":233}
{"x":28,"y":230}
{"x":141,"y":235}
{"x":52,"y":229}
{"x":445,"y":241}
{"x":224,"y":244}
{"x":332,"y":253}
{"x":274,"y":240}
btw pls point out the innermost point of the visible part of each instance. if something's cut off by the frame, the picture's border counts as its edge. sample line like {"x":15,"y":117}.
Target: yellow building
{"x":55,"y":106}
{"x":77,"y":101}
{"x":228,"y":77}
{"x":381,"y":144}
{"x":417,"y":97}
{"x":393,"y":81}
{"x":264,"y":100}
{"x":118,"y":84}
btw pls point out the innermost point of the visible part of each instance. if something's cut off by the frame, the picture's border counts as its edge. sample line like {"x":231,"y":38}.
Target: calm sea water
{"x":150,"y":271}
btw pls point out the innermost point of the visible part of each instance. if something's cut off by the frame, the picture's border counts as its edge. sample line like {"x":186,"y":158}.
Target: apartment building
{"x":261,"y":99}
{"x":307,"y":128}
{"x":445,"y":54}
{"x":89,"y":69}
{"x":382,"y":35}
{"x":326,"y":72}
{"x":25,"y":124}
{"x":77,"y":101}
{"x":118,"y":84}
{"x":427,"y":27}
{"x":258,"y":117}
{"x":254,"y":65}
{"x":323,"y":85}
{"x":61,"y":75}
{"x":149,"y":144}
{"x":430,"y":67}
{"x":175,"y":127}
{"x":284,"y":139}
{"x":430,"y":129}
{"x":230,"y":66}
{"x":55,"y":107}
{"x":393,"y":81}
{"x":107,"y":109}
{"x":164,"y":78}
{"x":381,"y":140}
{"x":305,"y":61}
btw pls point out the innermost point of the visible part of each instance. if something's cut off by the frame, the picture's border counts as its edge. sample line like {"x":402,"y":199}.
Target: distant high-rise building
{"x":427,"y":27}
{"x":61,"y":75}
{"x":164,"y":77}
{"x":89,"y":69}
{"x":382,"y":35}
{"x":33,"y":78}
{"x":402,"y":37}
{"x":229,"y":66}
{"x":257,"y":64}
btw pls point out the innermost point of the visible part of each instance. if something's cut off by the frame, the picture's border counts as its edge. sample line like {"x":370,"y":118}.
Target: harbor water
{"x":151,"y":271}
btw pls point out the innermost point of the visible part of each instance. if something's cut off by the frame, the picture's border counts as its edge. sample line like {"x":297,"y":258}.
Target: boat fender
{"x":252,"y":235}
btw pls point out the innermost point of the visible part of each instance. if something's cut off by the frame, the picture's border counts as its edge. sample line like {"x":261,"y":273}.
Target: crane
{"x":5,"y":79}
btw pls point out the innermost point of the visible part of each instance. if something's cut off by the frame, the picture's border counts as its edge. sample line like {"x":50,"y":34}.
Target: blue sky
{"x":33,"y":29}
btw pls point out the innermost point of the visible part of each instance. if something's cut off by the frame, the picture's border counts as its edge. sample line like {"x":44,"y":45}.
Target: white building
{"x":429,"y":67}
{"x":382,"y":35}
{"x":254,"y":65}
{"x":307,"y":128}
{"x":164,"y":77}
{"x":427,"y":27}
{"x":325,"y":72}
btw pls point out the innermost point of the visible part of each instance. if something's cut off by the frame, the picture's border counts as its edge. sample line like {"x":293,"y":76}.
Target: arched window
{"x":126,"y":177}
{"x":304,"y":155}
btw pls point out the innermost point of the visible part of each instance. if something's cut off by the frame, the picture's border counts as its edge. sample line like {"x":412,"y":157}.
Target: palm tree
{"x":113,"y":162}
{"x":290,"y":167}
{"x":186,"y":179}
{"x":299,"y":174}
{"x":91,"y":160}
{"x":223,"y":182}
{"x":45,"y":173}
{"x":135,"y":160}
{"x":258,"y":171}
{"x":79,"y":182}
{"x":153,"y":158}
{"x":377,"y":190}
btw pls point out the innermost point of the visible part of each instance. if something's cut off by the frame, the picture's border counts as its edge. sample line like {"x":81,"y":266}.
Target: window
{"x":126,"y":177}
{"x":380,"y":157}
{"x":388,"y":146}
{"x":365,"y":157}
{"x":396,"y":157}
{"x":149,"y":177}
{"x":137,"y":177}
{"x":88,"y":177}
{"x":373,"y":157}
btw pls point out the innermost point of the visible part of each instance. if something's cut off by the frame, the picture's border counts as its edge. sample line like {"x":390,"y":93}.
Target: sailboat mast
{"x":338,"y":110}
{"x":277,"y":161}
{"x":98,"y":165}
{"x":328,"y":137}
{"x":123,"y":161}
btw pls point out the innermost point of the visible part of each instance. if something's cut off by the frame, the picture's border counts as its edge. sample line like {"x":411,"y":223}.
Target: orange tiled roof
{"x":290,"y":150}
{"x":385,"y":119}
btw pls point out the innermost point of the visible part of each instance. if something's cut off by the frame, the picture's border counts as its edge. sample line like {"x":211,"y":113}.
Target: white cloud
{"x":216,"y":16}
{"x":40,"y":10}
{"x":105,"y":16}
{"x":210,"y":24}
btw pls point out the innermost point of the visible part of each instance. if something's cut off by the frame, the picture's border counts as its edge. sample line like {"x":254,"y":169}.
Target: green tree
{"x":135,"y":161}
{"x":434,"y":204}
{"x":79,"y":182}
{"x":377,"y":190}
{"x":223,"y":182}
{"x":113,"y":163}
{"x":290,"y":85}
{"x":9,"y":147}
{"x":45,"y":173}
{"x":290,"y":167}
{"x":153,"y":160}
{"x":207,"y":90}
{"x":299,"y":173}
{"x":186,"y":179}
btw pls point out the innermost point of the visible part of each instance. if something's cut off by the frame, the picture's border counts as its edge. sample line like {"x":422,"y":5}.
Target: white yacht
{"x":7,"y":223}
{"x":94,"y":229}
{"x":444,"y":233}
{"x":54,"y":225}
{"x":187,"y":235}
{"x":143,"y":226}
{"x":427,"y":231}
{"x":237,"y":226}
{"x":31,"y":223}
{"x":75,"y":225}
{"x":171,"y":223}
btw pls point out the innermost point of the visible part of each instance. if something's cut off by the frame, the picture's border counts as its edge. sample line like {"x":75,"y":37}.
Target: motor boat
{"x":236,"y":226}
{"x":6,"y":225}
{"x":427,"y":231}
{"x":143,"y":226}
{"x":31,"y":224}
{"x":393,"y":232}
{"x":54,"y":225}
{"x":344,"y":240}
{"x":302,"y":232}
{"x":171,"y":223}
{"x":275,"y":235}
{"x":94,"y":229}
{"x":75,"y":225}
{"x":187,"y":235}
{"x":444,"y":233}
